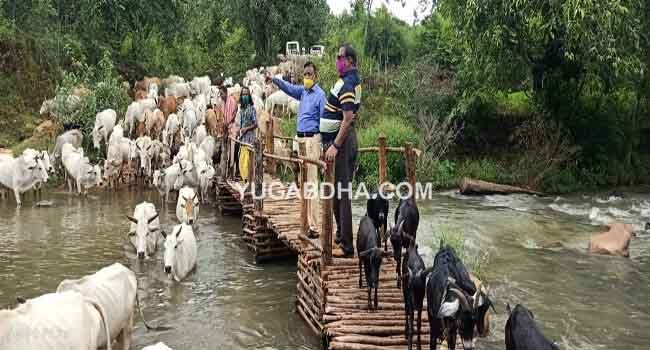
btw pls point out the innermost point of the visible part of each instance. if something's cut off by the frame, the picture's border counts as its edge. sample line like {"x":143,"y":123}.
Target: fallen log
{"x":470,"y":187}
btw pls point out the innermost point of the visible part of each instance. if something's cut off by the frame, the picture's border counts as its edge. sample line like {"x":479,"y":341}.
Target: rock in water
{"x":44,"y":204}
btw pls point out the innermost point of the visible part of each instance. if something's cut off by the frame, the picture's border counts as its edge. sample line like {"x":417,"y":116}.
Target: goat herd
{"x":457,"y":302}
{"x":169,"y":141}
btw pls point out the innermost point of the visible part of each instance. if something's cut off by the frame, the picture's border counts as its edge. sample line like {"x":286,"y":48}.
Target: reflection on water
{"x":228,"y":303}
{"x":581,"y":301}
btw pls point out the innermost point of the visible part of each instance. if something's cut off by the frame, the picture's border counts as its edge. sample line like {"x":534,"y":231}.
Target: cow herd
{"x":457,"y":302}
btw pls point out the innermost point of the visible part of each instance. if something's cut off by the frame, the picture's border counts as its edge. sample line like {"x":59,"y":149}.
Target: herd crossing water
{"x":581,"y":301}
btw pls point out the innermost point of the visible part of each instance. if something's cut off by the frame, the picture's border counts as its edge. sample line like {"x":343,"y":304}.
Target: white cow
{"x":143,"y":232}
{"x":190,"y":122}
{"x":187,"y":206}
{"x":104,"y":124}
{"x":164,"y":180}
{"x":79,"y":168}
{"x":22,"y":173}
{"x":148,"y":103}
{"x":200,"y":133}
{"x":66,"y":320}
{"x":172,"y":127}
{"x":157,"y":346}
{"x":209,"y":146}
{"x":205,"y":173}
{"x":278,"y":98}
{"x":180,"y":251}
{"x":117,"y":135}
{"x":133,"y":113}
{"x":152,"y":91}
{"x":178,"y":90}
{"x":118,"y":154}
{"x":172,"y":79}
{"x":114,"y":288}
{"x":187,"y":176}
{"x":144,"y":146}
{"x":73,"y":137}
{"x":200,"y":103}
{"x":200,"y":85}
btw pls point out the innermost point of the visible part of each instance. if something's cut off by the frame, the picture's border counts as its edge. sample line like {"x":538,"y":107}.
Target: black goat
{"x":377,"y":210}
{"x":370,"y":256}
{"x":407,"y":219}
{"x":454,"y":303}
{"x":522,"y":332}
{"x":414,"y":281}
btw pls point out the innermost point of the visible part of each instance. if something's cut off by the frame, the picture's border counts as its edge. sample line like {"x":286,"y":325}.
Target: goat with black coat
{"x":370,"y":256}
{"x":414,"y":281}
{"x":377,"y":210}
{"x":522,"y":332}
{"x":407,"y":219}
{"x":454,"y":302}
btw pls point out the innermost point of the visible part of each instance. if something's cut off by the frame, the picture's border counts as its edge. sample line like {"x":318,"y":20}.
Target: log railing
{"x":263,"y":160}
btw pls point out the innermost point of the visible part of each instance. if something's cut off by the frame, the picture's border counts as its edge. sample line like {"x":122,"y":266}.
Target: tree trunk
{"x":478,"y":187}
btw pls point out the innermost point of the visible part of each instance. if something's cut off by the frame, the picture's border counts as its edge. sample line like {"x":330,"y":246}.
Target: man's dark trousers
{"x":345,"y":163}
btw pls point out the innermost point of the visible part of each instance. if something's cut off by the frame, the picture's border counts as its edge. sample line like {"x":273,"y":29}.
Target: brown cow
{"x":155,"y":123}
{"x":167,"y":105}
{"x":616,"y":241}
{"x":140,"y":95}
{"x":215,"y":122}
{"x":263,"y":118}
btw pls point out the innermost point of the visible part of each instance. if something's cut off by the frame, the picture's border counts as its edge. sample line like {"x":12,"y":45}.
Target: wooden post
{"x":257,"y":171}
{"x":304,"y":222}
{"x":382,"y":159}
{"x":225,"y":153}
{"x":270,"y":146}
{"x":410,"y":166}
{"x":326,"y":210}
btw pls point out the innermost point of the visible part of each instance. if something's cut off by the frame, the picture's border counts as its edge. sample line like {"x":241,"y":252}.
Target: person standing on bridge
{"x":340,"y":140}
{"x":229,"y":108}
{"x":312,"y":105}
{"x":248,"y":124}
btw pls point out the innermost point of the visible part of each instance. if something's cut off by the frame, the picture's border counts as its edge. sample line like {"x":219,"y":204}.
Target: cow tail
{"x":104,"y":318}
{"x":149,"y":328}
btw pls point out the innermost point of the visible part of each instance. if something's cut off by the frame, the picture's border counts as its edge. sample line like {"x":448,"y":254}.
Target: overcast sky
{"x":404,"y":13}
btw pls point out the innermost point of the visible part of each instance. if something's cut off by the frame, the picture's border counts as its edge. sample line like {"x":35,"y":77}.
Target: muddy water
{"x":228,"y":303}
{"x":581,"y":301}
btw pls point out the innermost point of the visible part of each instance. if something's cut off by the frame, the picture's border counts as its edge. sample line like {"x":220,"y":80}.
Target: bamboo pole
{"x":270,"y":146}
{"x":304,"y":223}
{"x":382,"y":158}
{"x":410,"y":166}
{"x":258,"y":182}
{"x":417,"y":151}
{"x":326,"y":230}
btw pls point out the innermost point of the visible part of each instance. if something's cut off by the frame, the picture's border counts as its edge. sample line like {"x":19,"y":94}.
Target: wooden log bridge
{"x":328,"y":296}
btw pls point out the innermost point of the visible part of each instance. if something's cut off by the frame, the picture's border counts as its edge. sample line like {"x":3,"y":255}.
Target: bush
{"x":104,"y":90}
{"x":397,"y":133}
{"x":475,"y":262}
{"x":441,"y":173}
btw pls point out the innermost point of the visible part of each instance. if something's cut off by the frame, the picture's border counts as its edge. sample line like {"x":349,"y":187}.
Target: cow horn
{"x":462,"y":298}
{"x":151,"y":219}
{"x":195,"y":195}
{"x":132,"y":219}
{"x":185,"y":199}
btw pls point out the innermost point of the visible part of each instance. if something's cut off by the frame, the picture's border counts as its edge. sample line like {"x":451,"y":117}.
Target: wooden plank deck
{"x":328,"y":297}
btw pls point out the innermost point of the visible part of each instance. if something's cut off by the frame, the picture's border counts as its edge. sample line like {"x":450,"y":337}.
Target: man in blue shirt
{"x":312,"y":105}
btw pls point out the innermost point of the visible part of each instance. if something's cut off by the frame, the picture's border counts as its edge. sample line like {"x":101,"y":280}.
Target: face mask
{"x":340,"y":65}
{"x":309,"y":83}
{"x":246,"y":99}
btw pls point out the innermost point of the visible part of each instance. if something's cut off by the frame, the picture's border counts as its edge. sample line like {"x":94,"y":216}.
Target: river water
{"x":581,"y":301}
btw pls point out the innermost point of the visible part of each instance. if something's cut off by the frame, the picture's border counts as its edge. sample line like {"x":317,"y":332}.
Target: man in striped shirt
{"x":340,"y":140}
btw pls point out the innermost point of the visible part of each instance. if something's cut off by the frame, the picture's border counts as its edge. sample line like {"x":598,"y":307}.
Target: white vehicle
{"x":292,"y":48}
{"x":317,"y":50}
